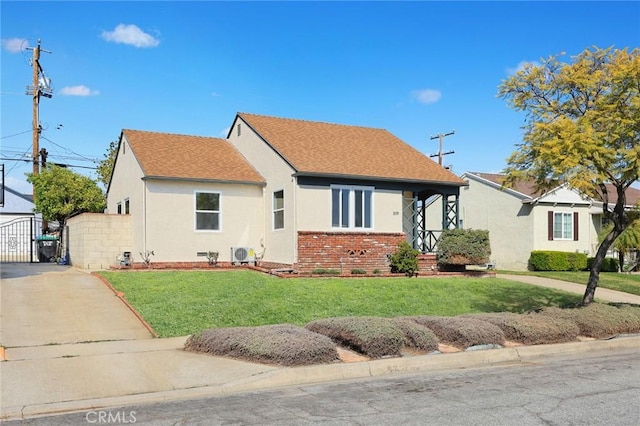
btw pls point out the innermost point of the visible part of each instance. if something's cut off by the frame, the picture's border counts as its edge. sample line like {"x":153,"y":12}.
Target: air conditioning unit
{"x":242,"y":255}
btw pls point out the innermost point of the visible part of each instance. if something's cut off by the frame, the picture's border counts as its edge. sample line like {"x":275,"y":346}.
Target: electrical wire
{"x":16,"y":134}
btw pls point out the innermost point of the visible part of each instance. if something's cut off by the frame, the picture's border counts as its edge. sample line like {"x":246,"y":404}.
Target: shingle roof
{"x":317,"y":148}
{"x":528,"y":188}
{"x":175,"y":156}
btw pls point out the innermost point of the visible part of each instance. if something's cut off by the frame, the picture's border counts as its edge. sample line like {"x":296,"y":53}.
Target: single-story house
{"x":521,"y":219}
{"x":298,"y":194}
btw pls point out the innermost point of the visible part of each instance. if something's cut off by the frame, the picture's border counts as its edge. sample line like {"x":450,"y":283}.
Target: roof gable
{"x":166,"y":155}
{"x":317,"y":148}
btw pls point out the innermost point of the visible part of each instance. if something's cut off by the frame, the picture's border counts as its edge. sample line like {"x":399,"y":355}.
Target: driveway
{"x":45,"y":304}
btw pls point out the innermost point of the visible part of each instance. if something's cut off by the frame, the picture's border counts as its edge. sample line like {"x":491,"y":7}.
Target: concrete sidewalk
{"x":55,"y":364}
{"x":601,"y":293}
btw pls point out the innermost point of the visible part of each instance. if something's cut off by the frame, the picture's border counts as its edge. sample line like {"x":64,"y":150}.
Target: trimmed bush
{"x":417,"y":336}
{"x":322,"y":271}
{"x":531,"y":329}
{"x":609,"y":264}
{"x":462,"y":332}
{"x":404,"y":260}
{"x":372,"y":336}
{"x":600,"y":320}
{"x":282,"y":344}
{"x":549,"y":260}
{"x":464,"y":247}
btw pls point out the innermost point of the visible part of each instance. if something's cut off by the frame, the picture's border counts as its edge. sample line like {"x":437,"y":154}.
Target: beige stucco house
{"x":301,"y":194}
{"x":520,"y":219}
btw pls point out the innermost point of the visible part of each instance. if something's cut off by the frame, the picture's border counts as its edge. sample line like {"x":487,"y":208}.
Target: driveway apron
{"x":46,"y":304}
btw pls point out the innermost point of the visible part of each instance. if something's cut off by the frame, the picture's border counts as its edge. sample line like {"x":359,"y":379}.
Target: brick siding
{"x":345,"y":251}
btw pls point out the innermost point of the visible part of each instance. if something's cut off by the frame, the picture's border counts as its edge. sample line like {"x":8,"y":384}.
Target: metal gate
{"x":19,"y":240}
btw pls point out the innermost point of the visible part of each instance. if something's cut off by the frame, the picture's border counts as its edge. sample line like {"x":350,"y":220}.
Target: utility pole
{"x":440,"y":154}
{"x":41,"y":86}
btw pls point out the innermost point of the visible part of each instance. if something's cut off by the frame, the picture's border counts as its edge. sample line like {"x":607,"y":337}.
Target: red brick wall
{"x":345,"y":251}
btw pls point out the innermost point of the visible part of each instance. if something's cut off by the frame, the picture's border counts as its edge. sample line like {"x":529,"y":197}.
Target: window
{"x":208,"y":211}
{"x":278,"y":209}
{"x":563,"y":225}
{"x":119,"y":207}
{"x":126,"y":206}
{"x":351,"y":207}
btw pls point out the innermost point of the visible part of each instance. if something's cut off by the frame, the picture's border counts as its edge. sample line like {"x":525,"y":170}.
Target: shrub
{"x":609,"y":264}
{"x":404,"y":259}
{"x":373,"y":336}
{"x":417,"y":336}
{"x":463,"y":247}
{"x":600,"y":320}
{"x":282,"y":344}
{"x":322,"y":271}
{"x":462,"y":332}
{"x":548,"y":260}
{"x":358,"y":271}
{"x":531,"y":329}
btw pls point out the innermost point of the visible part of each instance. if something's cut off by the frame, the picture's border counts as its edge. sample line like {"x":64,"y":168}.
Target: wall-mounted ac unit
{"x":242,"y":255}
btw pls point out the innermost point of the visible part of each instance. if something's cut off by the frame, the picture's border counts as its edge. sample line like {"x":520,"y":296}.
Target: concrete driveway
{"x":45,"y":304}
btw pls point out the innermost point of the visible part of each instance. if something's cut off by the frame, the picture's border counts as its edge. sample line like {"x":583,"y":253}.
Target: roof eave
{"x":377,"y":178}
{"x":200,"y":180}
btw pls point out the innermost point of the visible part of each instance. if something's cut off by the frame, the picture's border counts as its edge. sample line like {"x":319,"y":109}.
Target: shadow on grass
{"x":524,"y":299}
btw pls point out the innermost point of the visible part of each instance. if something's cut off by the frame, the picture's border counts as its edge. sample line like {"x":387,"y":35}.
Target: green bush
{"x":358,"y":272}
{"x":404,"y":260}
{"x":464,"y":247}
{"x":322,"y":271}
{"x":609,"y":264}
{"x":548,"y":260}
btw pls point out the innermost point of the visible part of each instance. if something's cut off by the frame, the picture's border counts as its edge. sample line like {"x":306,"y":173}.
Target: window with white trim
{"x":126,"y":206}
{"x":119,"y":207}
{"x":562,"y":226}
{"x":278,"y":209}
{"x":351,"y":207}
{"x":207,"y":211}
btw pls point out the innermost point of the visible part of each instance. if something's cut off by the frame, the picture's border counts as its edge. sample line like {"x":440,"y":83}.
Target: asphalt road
{"x":603,"y":390}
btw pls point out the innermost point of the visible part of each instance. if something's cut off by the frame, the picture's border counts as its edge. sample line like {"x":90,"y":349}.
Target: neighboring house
{"x":19,"y":226}
{"x":304,"y":194}
{"x":520,"y":220}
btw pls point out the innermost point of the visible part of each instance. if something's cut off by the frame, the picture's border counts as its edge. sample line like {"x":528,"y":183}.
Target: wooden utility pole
{"x":41,"y":86}
{"x":440,"y":154}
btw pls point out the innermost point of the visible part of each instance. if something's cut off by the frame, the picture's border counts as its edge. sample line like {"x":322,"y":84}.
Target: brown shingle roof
{"x":174,"y":156}
{"x":318,"y":148}
{"x":528,"y":188}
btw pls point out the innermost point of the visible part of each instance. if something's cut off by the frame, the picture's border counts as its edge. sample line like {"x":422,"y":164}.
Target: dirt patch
{"x":347,"y":355}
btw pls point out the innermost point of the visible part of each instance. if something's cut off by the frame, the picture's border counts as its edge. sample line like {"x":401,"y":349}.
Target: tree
{"x":626,"y":242}
{"x":105,"y":167}
{"x":61,"y":193}
{"x":583,"y":128}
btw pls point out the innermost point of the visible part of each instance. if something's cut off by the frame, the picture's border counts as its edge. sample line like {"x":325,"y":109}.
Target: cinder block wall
{"x":346,"y":250}
{"x":96,"y":239}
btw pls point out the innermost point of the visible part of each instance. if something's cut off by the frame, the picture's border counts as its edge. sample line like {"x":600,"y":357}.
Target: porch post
{"x":450,"y":211}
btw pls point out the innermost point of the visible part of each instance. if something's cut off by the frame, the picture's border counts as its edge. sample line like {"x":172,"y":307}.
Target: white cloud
{"x":80,"y":90}
{"x":521,"y":66}
{"x":215,"y":95}
{"x":427,"y":96}
{"x":130,"y":34}
{"x":14,"y":45}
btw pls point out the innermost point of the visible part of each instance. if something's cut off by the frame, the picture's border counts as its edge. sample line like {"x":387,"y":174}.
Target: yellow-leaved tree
{"x":583,"y":128}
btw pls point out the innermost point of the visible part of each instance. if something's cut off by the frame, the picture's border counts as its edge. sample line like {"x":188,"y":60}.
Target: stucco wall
{"x":95,"y":239}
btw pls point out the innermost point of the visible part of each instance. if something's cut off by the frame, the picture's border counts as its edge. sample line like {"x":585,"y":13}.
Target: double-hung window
{"x":207,"y":211}
{"x":278,"y":209}
{"x":351,"y":207}
{"x":563,"y":226}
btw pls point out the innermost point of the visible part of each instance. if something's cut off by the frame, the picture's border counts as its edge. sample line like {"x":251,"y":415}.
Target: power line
{"x":16,"y":134}
{"x":28,"y":160}
{"x":93,"y":160}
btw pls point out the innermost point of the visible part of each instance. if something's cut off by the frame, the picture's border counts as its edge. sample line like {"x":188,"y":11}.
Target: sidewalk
{"x":39,"y":378}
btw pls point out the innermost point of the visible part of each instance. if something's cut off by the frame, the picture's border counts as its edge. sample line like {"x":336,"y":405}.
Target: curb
{"x":315,"y":374}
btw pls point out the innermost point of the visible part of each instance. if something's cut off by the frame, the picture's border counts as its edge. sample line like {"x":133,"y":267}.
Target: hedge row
{"x":378,"y":337}
{"x":548,"y":260}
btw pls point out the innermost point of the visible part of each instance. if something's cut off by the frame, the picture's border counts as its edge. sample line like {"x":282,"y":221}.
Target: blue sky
{"x":414,"y":68}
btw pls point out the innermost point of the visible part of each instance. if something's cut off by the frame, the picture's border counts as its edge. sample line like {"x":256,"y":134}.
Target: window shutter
{"x":550,"y":225}
{"x":575,"y":226}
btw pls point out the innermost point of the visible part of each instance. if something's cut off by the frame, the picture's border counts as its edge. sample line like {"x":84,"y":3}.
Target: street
{"x":603,"y":390}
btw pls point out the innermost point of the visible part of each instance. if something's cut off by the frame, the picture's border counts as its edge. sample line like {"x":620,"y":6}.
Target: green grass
{"x":178,"y":303}
{"x":628,"y":283}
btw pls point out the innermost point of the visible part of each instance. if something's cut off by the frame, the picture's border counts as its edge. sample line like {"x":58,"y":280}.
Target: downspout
{"x":295,"y":220}
{"x":144,"y":217}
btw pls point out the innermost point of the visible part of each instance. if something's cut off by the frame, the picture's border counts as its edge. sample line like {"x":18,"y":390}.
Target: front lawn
{"x":628,"y":283}
{"x":179,"y":303}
